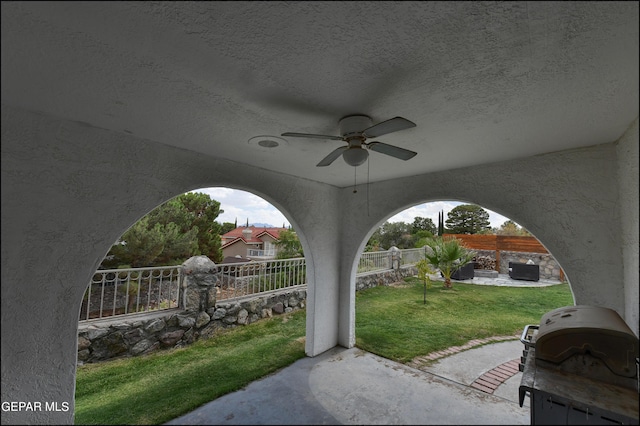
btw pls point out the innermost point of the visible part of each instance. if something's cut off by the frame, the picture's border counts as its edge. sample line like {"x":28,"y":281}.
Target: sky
{"x":241,"y":205}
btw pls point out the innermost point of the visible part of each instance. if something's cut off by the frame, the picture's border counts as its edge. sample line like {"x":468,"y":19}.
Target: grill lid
{"x":592,"y":330}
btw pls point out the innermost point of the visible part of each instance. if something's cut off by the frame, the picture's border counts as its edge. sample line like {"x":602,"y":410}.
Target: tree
{"x":374,"y":243}
{"x":421,"y":238}
{"x":396,"y":234}
{"x":424,"y":272}
{"x":423,"y":224}
{"x":288,"y":245}
{"x":468,"y":219}
{"x":441,"y":223}
{"x":202,"y":212}
{"x":178,"y":245}
{"x":401,"y":235}
{"x":227,"y":227}
{"x":171,"y":233}
{"x":139,"y":245}
{"x":447,"y":254}
{"x":509,"y":227}
{"x":151,"y":244}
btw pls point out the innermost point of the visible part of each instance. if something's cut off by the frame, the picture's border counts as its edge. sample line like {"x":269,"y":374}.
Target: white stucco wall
{"x":627,"y":151}
{"x":70,"y":190}
{"x":569,"y":200}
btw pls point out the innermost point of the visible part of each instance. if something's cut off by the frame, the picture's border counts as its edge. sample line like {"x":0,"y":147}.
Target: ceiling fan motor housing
{"x":353,"y":125}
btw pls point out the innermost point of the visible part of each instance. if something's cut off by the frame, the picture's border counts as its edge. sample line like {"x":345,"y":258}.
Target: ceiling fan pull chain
{"x":355,"y":169}
{"x":368,"y":164}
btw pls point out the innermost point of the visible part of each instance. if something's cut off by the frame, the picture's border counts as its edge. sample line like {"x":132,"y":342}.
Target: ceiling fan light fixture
{"x":355,"y":156}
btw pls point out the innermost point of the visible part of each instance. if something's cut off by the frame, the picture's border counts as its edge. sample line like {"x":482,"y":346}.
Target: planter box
{"x":464,"y":273}
{"x":523,"y":271}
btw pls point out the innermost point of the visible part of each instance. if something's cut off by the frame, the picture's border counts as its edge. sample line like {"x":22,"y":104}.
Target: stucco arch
{"x":142,"y":204}
{"x":85,"y":186}
{"x":397,"y":210}
{"x":81,"y":199}
{"x":563,"y":198}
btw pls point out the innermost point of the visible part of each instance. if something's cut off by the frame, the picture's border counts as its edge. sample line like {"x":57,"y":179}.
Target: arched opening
{"x":142,"y":338}
{"x":421,"y":324}
{"x":495,"y":238}
{"x":403,"y":228}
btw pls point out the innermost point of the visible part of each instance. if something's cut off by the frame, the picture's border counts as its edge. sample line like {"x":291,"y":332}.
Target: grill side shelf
{"x":527,"y":340}
{"x":527,"y":382}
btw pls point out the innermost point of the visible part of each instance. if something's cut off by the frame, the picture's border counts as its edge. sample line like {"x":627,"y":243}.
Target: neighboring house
{"x":251,"y":242}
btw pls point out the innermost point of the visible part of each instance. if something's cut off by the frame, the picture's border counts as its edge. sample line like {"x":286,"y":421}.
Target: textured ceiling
{"x":483,"y":81}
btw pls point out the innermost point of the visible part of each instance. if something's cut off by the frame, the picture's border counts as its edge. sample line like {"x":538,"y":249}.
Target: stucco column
{"x":318,"y":224}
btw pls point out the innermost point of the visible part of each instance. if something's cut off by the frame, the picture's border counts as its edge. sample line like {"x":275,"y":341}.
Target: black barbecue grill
{"x":580,"y":366}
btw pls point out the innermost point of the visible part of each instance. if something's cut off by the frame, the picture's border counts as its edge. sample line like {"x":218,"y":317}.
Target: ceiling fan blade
{"x":332,"y":157}
{"x":309,"y":135}
{"x":392,"y":125}
{"x":394,"y":151}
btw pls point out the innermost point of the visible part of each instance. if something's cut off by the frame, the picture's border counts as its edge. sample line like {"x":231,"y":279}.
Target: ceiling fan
{"x":355,"y":130}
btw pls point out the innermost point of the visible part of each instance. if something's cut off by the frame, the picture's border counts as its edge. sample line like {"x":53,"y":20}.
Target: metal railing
{"x":374,"y":261}
{"x":381,"y":260}
{"x":260,"y":253}
{"x":412,"y":256}
{"x":242,"y":279}
{"x":126,"y":291}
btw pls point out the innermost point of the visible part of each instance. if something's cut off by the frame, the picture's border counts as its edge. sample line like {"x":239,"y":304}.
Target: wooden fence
{"x":499,"y":243}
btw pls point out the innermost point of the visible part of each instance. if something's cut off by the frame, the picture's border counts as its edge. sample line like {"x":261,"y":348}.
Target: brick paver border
{"x":426,"y":359}
{"x":489,"y":381}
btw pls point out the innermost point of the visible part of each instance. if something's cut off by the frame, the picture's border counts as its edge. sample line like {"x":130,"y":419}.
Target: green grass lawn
{"x":156,"y":388}
{"x":392,"y":322}
{"x":396,"y":323}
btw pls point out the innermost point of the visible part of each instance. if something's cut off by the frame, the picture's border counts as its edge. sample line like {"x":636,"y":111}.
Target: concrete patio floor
{"x":351,"y":386}
{"x":462,"y":386}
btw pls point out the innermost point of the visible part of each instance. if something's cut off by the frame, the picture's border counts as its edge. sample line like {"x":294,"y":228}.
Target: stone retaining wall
{"x":137,"y":335}
{"x":549,"y":267}
{"x":382,"y":278}
{"x":200,"y":315}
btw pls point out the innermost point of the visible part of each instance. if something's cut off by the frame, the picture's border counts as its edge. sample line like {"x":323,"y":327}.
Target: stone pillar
{"x":198,"y":284}
{"x":395,"y":256}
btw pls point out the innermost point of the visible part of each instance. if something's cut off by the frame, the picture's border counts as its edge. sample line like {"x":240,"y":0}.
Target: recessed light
{"x":268,"y":142}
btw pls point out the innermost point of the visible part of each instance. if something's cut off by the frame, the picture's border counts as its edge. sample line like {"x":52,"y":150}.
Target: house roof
{"x":257,"y":234}
{"x":235,"y":259}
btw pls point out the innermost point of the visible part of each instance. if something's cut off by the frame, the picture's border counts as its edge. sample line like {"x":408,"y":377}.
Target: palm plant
{"x":424,"y":270}
{"x":447,"y":254}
